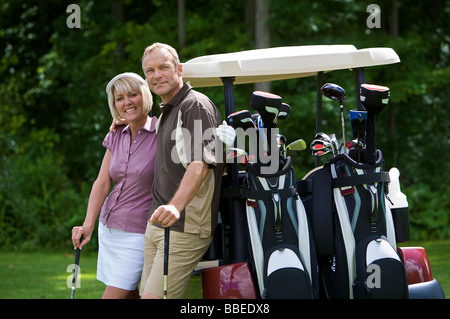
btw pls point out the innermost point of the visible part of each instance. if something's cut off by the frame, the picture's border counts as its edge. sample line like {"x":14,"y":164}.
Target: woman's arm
{"x":99,"y":193}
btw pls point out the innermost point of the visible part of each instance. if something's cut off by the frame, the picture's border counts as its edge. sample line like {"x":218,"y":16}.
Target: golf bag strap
{"x":267,"y":195}
{"x":232,"y":192}
{"x":369,"y":178}
{"x":304,"y":186}
{"x":245,"y":192}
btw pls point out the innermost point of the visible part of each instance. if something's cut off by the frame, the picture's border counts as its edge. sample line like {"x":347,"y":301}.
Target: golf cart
{"x":333,"y":233}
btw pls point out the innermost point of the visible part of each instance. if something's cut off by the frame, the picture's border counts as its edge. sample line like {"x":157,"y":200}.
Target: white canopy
{"x":281,"y":63}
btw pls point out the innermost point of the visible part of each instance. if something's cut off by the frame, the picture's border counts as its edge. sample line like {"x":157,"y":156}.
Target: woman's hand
{"x":79,"y":232}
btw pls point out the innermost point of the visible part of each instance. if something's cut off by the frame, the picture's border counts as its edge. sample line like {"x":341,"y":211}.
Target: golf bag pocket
{"x":282,"y":248}
{"x":380,"y":274}
{"x":283,"y":266}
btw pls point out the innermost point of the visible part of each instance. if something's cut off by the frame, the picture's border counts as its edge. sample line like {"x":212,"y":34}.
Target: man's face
{"x":163,"y":78}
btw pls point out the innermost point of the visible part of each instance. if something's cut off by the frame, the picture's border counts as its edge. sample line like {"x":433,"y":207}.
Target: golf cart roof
{"x":281,"y":63}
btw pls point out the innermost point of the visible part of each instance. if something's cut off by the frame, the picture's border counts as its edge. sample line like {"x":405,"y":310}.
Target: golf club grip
{"x":77,"y":256}
{"x":166,"y":250}
{"x":77,"y":253}
{"x":75,"y":272}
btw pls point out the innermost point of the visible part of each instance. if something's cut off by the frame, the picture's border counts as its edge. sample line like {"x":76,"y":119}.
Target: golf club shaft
{"x":75,"y":272}
{"x":343,"y":128}
{"x":166,"y":260}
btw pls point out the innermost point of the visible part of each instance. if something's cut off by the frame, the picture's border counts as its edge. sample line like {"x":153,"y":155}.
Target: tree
{"x":262,"y":34}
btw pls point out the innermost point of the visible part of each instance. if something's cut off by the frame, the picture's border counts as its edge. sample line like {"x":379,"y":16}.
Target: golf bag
{"x":353,"y":229}
{"x":282,"y":248}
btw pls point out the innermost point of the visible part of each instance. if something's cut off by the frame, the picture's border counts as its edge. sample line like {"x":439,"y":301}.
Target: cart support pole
{"x":237,"y":245}
{"x":360,"y":78}
{"x":319,"y":109}
{"x":229,"y":95}
{"x":229,"y":109}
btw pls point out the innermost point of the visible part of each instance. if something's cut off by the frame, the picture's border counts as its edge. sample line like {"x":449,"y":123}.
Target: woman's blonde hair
{"x":125,"y":83}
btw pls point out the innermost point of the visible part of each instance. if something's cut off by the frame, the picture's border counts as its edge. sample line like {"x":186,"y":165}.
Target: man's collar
{"x":148,"y":126}
{"x":177,"y":98}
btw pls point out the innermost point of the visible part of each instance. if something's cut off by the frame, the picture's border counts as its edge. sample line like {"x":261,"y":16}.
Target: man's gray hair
{"x":157,"y":46}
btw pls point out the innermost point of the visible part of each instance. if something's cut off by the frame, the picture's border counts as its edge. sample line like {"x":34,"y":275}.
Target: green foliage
{"x":54,"y":112}
{"x":39,"y":204}
{"x":428,"y":212}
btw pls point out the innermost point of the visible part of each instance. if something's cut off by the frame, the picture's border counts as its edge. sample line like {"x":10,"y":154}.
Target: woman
{"x":128,"y":165}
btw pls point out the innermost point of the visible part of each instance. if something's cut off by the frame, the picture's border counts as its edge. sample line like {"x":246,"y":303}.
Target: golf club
{"x":242,"y":119}
{"x":268,"y":106}
{"x":326,"y":147}
{"x":358,"y":123}
{"x":166,"y":260}
{"x":294,"y":147}
{"x":320,"y":153}
{"x":240,"y":154}
{"x":75,"y":271}
{"x":374,"y":98}
{"x":281,"y":142}
{"x":285,"y":110}
{"x":322,"y":138}
{"x":337,"y":93}
{"x":259,"y":126}
{"x":318,"y":145}
{"x":334,"y":144}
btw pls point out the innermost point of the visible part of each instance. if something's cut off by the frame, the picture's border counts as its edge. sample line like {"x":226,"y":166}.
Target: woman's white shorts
{"x":120,"y":257}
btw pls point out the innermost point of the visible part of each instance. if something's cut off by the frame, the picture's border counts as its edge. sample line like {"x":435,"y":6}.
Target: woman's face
{"x":130,"y":106}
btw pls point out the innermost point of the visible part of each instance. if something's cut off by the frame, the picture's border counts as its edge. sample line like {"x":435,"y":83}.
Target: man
{"x":186,"y":187}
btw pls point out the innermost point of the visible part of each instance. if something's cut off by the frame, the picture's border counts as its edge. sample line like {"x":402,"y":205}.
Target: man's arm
{"x":167,"y":215}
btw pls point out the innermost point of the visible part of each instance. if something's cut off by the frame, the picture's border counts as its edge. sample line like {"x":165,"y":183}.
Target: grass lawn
{"x":42,"y":275}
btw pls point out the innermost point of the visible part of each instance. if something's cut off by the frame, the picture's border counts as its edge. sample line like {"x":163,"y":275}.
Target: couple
{"x":146,"y":181}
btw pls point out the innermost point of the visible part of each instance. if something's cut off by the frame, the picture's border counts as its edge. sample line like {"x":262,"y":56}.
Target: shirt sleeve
{"x":201,"y":126}
{"x":107,"y":141}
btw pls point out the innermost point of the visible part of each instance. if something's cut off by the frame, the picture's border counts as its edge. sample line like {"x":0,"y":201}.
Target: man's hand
{"x":165,"y":215}
{"x":116,"y":123}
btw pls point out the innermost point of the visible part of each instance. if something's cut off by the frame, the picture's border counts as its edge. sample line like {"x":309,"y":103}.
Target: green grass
{"x":43,"y":275}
